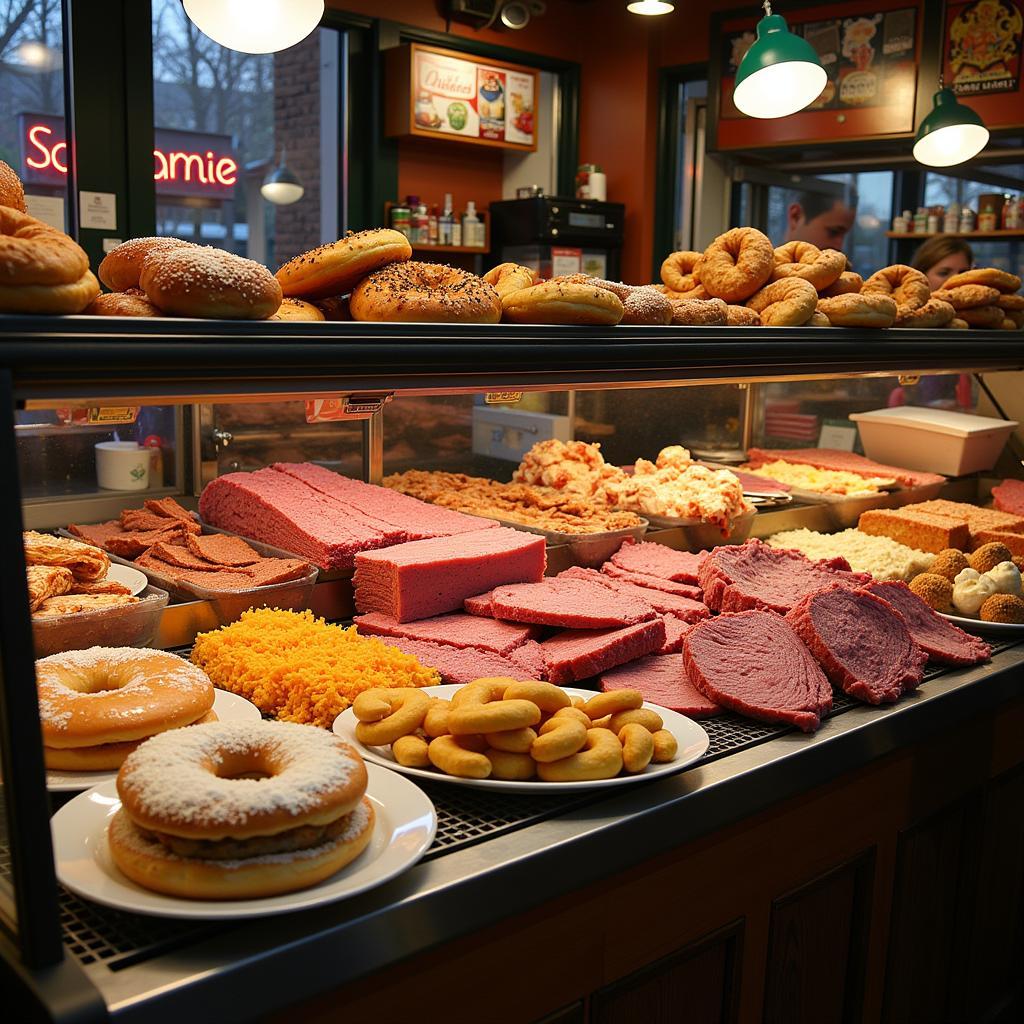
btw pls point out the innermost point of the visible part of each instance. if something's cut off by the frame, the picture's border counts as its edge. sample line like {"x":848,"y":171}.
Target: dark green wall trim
{"x":138,"y":78}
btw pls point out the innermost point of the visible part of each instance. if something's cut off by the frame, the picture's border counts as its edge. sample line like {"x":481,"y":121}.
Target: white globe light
{"x":650,"y":7}
{"x":255,"y":26}
{"x":281,"y":193}
{"x":951,"y":145}
{"x":780,"y":89}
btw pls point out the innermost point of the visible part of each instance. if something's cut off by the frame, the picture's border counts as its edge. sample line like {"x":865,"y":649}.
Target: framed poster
{"x":437,"y":93}
{"x":982,"y":46}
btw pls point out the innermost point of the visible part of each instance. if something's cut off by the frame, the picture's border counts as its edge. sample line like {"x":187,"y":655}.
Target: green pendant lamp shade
{"x":780,"y":74}
{"x":950,"y":134}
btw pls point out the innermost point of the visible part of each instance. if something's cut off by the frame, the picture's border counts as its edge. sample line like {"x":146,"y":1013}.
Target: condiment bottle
{"x":951,"y":222}
{"x":401,"y":219}
{"x":432,"y":226}
{"x":471,"y":226}
{"x":446,"y":222}
{"x":899,"y":224}
{"x":420,"y":225}
{"x":920,"y":221}
{"x":966,"y":221}
{"x":1012,"y":213}
{"x":933,"y":221}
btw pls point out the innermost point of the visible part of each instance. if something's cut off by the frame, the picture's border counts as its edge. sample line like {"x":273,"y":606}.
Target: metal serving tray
{"x":589,"y":550}
{"x":700,"y":535}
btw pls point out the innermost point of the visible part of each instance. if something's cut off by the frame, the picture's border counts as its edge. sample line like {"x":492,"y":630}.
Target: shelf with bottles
{"x":1007,"y":233}
{"x":438,"y":227}
{"x":997,"y":216}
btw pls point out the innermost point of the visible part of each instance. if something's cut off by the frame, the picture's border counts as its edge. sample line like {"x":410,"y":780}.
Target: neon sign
{"x":208,"y":168}
{"x":52,"y":153}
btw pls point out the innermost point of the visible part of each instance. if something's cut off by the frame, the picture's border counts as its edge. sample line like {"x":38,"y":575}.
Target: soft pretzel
{"x":600,"y":758}
{"x":560,"y":301}
{"x":786,"y":303}
{"x":821,"y":267}
{"x":870,"y":310}
{"x":993,"y":277}
{"x":969,"y":296}
{"x":988,"y":317}
{"x":934,"y":313}
{"x":846,"y":284}
{"x":907,"y":286}
{"x":699,"y":312}
{"x":679,"y":270}
{"x":742,"y":316}
{"x":506,"y":278}
{"x":736,"y":264}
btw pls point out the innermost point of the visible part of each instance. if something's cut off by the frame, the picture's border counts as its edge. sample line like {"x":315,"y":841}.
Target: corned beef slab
{"x":457,"y":630}
{"x":1009,"y":496}
{"x":675,"y":630}
{"x":480,"y":604}
{"x":683,"y":608}
{"x":657,"y":560}
{"x":689,"y":590}
{"x":936,"y":636}
{"x":736,"y":577}
{"x":848,"y":462}
{"x":580,"y":654}
{"x":662,"y":680}
{"x":569,"y":603}
{"x":388,"y":508}
{"x":754,"y":663}
{"x":459,"y":664}
{"x":530,"y":659}
{"x":861,"y":641}
{"x":280,"y":510}
{"x":222,"y":549}
{"x":429,"y":577}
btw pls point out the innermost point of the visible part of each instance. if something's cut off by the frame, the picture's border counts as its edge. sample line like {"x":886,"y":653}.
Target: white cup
{"x":598,"y":186}
{"x":122,"y":466}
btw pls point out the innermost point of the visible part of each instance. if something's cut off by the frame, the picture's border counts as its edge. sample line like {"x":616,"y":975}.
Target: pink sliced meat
{"x":569,"y":603}
{"x":754,"y":663}
{"x":480,"y":605}
{"x":388,"y":509}
{"x":286,"y":513}
{"x":652,"y":582}
{"x":425,"y":578}
{"x":936,"y":636}
{"x":675,"y":630}
{"x":458,"y":664}
{"x":170,"y":509}
{"x":580,"y":654}
{"x":662,"y":680}
{"x":186,"y":559}
{"x":1009,"y":496}
{"x":132,"y":543}
{"x":737,"y":577}
{"x":222,"y":549}
{"x":143,"y":520}
{"x":843,"y":462}
{"x":861,"y":642}
{"x":657,"y":560}
{"x":530,"y":659}
{"x":683,"y":608}
{"x":97,"y":534}
{"x":456,"y":629}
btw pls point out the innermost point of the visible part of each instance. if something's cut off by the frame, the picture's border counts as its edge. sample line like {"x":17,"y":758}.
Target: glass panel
{"x":32,"y":135}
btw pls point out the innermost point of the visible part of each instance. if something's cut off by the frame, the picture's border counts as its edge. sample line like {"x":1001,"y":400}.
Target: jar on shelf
{"x":1013,"y":209}
{"x":990,"y":211}
{"x":966,"y":221}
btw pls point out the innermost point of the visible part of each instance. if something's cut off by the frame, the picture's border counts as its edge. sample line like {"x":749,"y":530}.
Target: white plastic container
{"x":122,"y":466}
{"x":932,"y":440}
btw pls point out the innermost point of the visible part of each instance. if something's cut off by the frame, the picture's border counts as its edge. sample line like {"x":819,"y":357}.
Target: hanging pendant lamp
{"x":281,"y":186}
{"x":652,"y":8}
{"x":950,"y":134}
{"x":255,"y":26}
{"x":780,"y":74}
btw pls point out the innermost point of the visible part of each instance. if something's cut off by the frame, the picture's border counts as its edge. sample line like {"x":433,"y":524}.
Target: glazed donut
{"x":600,"y":758}
{"x":403,"y":712}
{"x":699,"y":313}
{"x":821,"y":267}
{"x":934,"y":313}
{"x":649,"y":719}
{"x":453,"y":759}
{"x":512,"y":741}
{"x":548,"y":697}
{"x":609,"y":703}
{"x":12,"y":193}
{"x":561,"y":301}
{"x":987,"y":317}
{"x":431,"y":293}
{"x":818,"y":320}
{"x":506,"y":278}
{"x":201,"y":281}
{"x":666,"y":746}
{"x":510,"y":766}
{"x":785,"y":303}
{"x":336,"y":268}
{"x":871,"y":310}
{"x":121,"y":268}
{"x":1013,"y":302}
{"x":741,"y":316}
{"x":908,"y":287}
{"x":848,"y":283}
{"x":411,"y":751}
{"x":992,"y":277}
{"x":637,"y":747}
{"x":646,"y":307}
{"x":737,"y":264}
{"x":969,"y":296}
{"x":132,"y":302}
{"x":558,"y":738}
{"x":679,"y":270}
{"x":117,"y":694}
{"x":298,"y":309}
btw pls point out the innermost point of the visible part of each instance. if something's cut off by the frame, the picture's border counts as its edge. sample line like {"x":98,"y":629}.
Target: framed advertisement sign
{"x":435,"y":93}
{"x":982,"y":49}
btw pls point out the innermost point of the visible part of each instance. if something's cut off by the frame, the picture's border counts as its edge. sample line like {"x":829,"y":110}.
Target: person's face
{"x":827,"y":231}
{"x":955,"y":263}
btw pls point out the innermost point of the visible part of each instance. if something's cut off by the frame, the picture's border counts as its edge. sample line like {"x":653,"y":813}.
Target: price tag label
{"x":339,"y":408}
{"x":503,"y":397}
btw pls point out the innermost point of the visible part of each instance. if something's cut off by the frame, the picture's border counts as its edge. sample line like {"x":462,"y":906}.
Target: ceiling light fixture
{"x":950,"y":134}
{"x":255,"y":26}
{"x":652,"y":8}
{"x":281,"y":187}
{"x":780,"y":74}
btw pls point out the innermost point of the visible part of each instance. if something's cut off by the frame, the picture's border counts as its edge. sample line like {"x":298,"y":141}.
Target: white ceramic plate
{"x":130,"y":577}
{"x":988,"y":628}
{"x":692,"y":740}
{"x":403,"y":831}
{"x":228,"y":706}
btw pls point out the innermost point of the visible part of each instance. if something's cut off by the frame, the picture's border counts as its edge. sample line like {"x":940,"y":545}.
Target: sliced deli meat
{"x":582,"y":653}
{"x":936,"y":636}
{"x":570,"y":603}
{"x":675,"y":630}
{"x":662,"y":680}
{"x":753,"y":575}
{"x":657,"y":560}
{"x":460,"y":664}
{"x":479,"y":604}
{"x":425,"y":578}
{"x":1009,"y":496}
{"x":187,"y":559}
{"x":222,"y":549}
{"x":863,"y":644}
{"x":456,"y":629}
{"x":754,"y":663}
{"x":690,"y":590}
{"x":842,"y":462}
{"x":683,"y":608}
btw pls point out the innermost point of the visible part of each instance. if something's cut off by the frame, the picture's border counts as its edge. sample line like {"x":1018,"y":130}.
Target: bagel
{"x":12,"y":192}
{"x":870,"y":310}
{"x":679,"y":271}
{"x":698,"y":291}
{"x":788,"y":302}
{"x":121,"y":268}
{"x":992,"y":277}
{"x":54,"y":299}
{"x":132,"y":302}
{"x":414,"y":292}
{"x":818,"y":320}
{"x":600,"y":758}
{"x":848,"y":283}
{"x":401,"y":712}
{"x":986,"y":317}
{"x":336,"y":268}
{"x":736,"y":264}
{"x":298,"y":309}
{"x":934,"y":313}
{"x":956,"y":324}
{"x":510,"y":277}
{"x":907,"y":286}
{"x":820,"y":267}
{"x":699,"y":312}
{"x":201,"y":281}
{"x":969,"y":296}
{"x":741,"y":316}
{"x":563,"y":301}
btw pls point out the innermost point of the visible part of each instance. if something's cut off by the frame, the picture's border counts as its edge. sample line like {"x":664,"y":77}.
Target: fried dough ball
{"x":936,"y":591}
{"x":1003,"y":608}
{"x":949,"y":562}
{"x":988,"y":556}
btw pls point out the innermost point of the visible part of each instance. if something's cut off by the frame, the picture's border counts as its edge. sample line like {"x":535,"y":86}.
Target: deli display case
{"x":887,"y":845}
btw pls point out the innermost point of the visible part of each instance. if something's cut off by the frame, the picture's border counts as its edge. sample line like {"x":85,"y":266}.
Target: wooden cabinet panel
{"x":698,"y":984}
{"x":815,"y":963}
{"x":574,"y":1014}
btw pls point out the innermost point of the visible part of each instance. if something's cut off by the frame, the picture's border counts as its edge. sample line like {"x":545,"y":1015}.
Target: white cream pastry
{"x":970,"y":591}
{"x":1006,"y":577}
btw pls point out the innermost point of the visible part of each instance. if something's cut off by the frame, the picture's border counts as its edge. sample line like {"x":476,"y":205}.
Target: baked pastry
{"x":788,"y":302}
{"x":907,"y":285}
{"x":414,"y":292}
{"x":934,"y":313}
{"x":336,"y":268}
{"x":742,"y":316}
{"x":86,"y":562}
{"x":871,"y":310}
{"x":736,"y":264}
{"x":991,"y":277}
{"x":334,"y":307}
{"x":506,"y":278}
{"x":298,"y":309}
{"x":820,"y":267}
{"x":679,"y":271}
{"x":46,"y":581}
{"x":12,"y":193}
{"x":73,"y":604}
{"x":969,"y":296}
{"x":846,"y":284}
{"x":572,"y":300}
{"x":988,"y":317}
{"x":699,"y":312}
{"x":195,"y":823}
{"x":131,"y":302}
{"x":818,"y":320}
{"x":121,"y":268}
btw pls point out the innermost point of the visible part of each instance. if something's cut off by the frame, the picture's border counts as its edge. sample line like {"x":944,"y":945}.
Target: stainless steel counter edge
{"x":261,"y":966}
